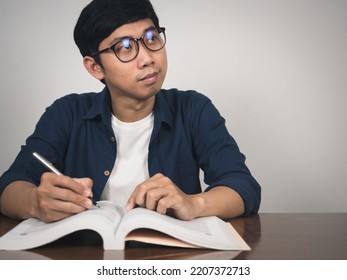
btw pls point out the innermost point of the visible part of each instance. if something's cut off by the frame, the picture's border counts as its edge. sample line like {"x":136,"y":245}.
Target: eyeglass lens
{"x":127,"y":48}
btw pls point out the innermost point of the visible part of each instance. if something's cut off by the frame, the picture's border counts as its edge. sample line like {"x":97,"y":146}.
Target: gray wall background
{"x":275,"y":69}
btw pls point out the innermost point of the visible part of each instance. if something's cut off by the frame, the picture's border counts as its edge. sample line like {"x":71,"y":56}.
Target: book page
{"x":207,"y":232}
{"x":155,"y":237}
{"x":32,"y":232}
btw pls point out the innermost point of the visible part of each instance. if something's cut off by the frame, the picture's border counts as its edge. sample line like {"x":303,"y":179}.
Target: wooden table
{"x":271,"y":236}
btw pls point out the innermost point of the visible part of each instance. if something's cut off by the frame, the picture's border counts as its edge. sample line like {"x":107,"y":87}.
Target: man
{"x":134,"y":143}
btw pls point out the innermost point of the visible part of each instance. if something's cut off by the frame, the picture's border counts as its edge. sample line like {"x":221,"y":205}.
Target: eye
{"x":125,"y":45}
{"x":152,"y":37}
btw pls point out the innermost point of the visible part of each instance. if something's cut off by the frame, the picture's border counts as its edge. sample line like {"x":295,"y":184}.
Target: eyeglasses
{"x":126,"y":49}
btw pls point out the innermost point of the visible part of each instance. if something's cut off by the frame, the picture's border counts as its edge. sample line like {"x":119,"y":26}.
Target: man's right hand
{"x":57,"y":197}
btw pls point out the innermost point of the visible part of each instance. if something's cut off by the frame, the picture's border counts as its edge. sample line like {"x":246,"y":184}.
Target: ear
{"x":93,"y":68}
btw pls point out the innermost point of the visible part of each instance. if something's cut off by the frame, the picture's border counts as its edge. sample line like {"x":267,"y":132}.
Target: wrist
{"x":199,"y":205}
{"x":33,"y":203}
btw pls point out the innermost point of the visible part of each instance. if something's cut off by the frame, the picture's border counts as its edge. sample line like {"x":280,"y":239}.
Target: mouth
{"x":150,"y":78}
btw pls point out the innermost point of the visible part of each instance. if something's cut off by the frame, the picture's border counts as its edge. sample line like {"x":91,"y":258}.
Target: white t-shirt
{"x":131,"y":166}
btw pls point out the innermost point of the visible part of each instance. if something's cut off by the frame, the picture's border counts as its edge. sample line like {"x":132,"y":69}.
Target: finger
{"x":53,"y":210}
{"x":163,"y":188}
{"x":172,"y":201}
{"x":138,"y":197}
{"x":130,"y":204}
{"x":132,"y":201}
{"x":75,"y":185}
{"x":63,"y":188}
{"x":71,"y":197}
{"x":153,"y":196}
{"x":87,"y":183}
{"x":60,"y":211}
{"x":49,"y":197}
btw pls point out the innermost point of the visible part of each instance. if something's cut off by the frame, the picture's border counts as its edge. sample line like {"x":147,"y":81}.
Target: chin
{"x":152,"y":90}
{"x":149,"y":94}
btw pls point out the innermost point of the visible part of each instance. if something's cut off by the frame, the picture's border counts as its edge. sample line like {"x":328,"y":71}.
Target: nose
{"x":144,"y":57}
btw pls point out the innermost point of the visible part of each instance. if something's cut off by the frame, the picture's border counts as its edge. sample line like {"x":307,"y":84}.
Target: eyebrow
{"x":117,"y":39}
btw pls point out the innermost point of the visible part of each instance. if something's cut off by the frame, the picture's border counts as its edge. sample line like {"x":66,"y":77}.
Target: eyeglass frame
{"x":141,"y":39}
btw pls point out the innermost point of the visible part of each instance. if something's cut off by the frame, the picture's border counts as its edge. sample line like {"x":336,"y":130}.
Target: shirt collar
{"x":163,"y":112}
{"x":101,"y":107}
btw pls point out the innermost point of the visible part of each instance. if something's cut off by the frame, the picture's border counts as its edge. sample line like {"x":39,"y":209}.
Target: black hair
{"x":101,"y":17}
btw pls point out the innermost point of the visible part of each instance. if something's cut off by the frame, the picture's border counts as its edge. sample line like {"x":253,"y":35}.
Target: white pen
{"x":46,"y":163}
{"x":51,"y":167}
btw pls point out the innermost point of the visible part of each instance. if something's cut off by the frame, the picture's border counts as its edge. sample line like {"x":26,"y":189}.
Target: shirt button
{"x":107,"y":173}
{"x":113,"y":139}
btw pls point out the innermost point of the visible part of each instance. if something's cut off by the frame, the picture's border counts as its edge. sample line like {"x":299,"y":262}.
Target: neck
{"x":132,"y":110}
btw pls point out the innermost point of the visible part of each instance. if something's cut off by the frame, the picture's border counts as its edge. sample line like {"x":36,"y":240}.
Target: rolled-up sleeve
{"x":220,"y":158}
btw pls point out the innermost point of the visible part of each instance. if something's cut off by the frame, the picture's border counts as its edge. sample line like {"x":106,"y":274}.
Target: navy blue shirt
{"x":76,"y":135}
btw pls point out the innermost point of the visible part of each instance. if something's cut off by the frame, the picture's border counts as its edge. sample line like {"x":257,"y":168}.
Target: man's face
{"x":140,"y":78}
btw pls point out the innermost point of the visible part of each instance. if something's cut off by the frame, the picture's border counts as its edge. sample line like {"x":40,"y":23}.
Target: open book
{"x":116,"y":227}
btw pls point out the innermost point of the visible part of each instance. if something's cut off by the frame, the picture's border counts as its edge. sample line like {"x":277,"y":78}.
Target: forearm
{"x":18,"y":200}
{"x":220,"y":201}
